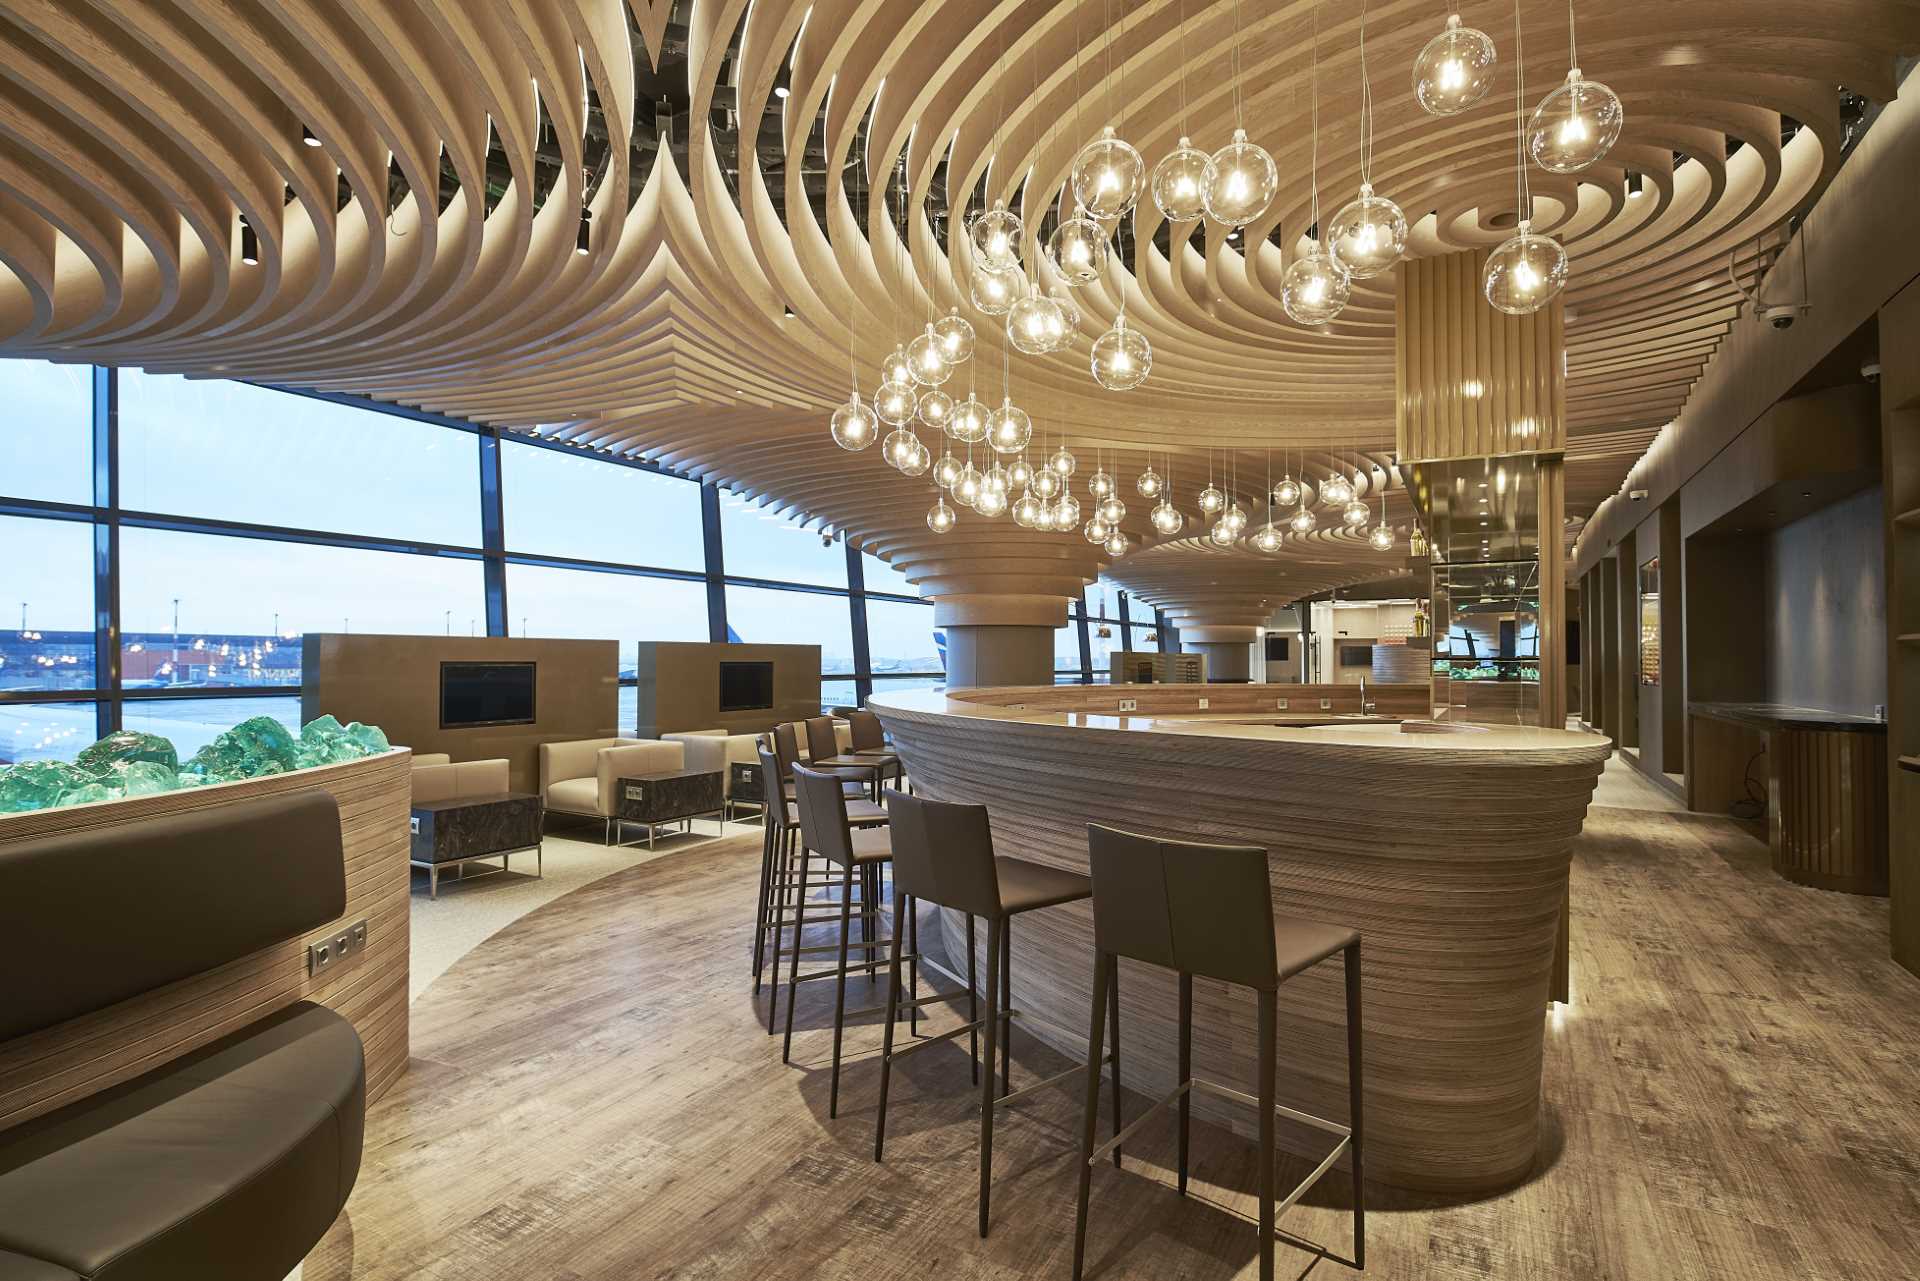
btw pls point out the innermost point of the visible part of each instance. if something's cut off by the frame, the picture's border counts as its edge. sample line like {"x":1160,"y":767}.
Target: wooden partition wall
{"x":1900,"y":446}
{"x":59,"y":1065}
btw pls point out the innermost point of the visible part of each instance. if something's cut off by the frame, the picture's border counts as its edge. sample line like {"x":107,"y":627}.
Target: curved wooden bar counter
{"x":1447,"y":850}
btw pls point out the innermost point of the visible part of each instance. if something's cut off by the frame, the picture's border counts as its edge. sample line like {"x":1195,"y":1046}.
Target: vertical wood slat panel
{"x":1827,"y":809}
{"x":48,"y":1069}
{"x":1447,"y":337}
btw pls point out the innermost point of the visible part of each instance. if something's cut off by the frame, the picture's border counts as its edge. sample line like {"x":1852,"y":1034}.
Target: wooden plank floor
{"x":592,"y":1095}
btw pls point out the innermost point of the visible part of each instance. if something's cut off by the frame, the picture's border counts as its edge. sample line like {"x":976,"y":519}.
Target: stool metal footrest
{"x":857,"y":967}
{"x":1076,"y":1070}
{"x":947,"y":1035}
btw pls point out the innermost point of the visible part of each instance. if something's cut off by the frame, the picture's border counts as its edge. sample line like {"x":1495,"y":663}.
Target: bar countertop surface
{"x":1788,"y":716}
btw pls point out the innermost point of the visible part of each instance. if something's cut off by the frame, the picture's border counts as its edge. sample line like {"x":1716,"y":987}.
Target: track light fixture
{"x":306,"y":136}
{"x":583,"y":242}
{"x":249,"y":243}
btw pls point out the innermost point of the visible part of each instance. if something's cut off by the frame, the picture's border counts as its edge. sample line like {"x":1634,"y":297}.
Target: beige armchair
{"x":443,"y":780}
{"x":581,"y":777}
{"x":715,"y":749}
{"x":431,"y":758}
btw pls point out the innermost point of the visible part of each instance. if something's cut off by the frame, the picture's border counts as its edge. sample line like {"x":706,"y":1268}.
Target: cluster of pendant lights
{"x":1570,"y":130}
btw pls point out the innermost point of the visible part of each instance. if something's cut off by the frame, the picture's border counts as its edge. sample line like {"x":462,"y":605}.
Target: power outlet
{"x":324,"y":954}
{"x":1128,"y":704}
{"x":1203,"y":704}
{"x":1326,"y":704}
{"x":1280,"y":703}
{"x":1016,"y":707}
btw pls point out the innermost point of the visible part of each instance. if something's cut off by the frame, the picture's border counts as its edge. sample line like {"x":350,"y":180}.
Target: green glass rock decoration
{"x":87,"y":793}
{"x":143,"y":778}
{"x":370,"y":737}
{"x":254,"y":748}
{"x":126,"y":745}
{"x":37,"y":785}
{"x":324,"y":741}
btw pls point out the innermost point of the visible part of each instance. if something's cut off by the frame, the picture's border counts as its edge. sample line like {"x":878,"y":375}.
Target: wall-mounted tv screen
{"x":746,"y":687}
{"x":473,"y":694}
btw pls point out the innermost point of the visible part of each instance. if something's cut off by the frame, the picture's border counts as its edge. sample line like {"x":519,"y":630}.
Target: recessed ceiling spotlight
{"x":1636,"y":186}
{"x":780,"y":91}
{"x":306,"y":136}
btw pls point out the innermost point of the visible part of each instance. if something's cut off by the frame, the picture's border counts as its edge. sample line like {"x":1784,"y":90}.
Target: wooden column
{"x":1900,"y":474}
{"x":1551,"y":503}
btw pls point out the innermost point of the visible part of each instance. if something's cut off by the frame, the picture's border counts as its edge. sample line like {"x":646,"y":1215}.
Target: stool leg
{"x":804,"y":857}
{"x":1006,"y":1003}
{"x":913,"y":965}
{"x":1353,"y":1103}
{"x":900,"y":910}
{"x":1090,"y":1108}
{"x":782,"y":868}
{"x":973,"y":1004}
{"x":840,"y":988}
{"x":1268,"y":1003}
{"x":1113,"y":1018}
{"x":1186,"y":1071}
{"x":760,"y":910}
{"x":994,"y":926}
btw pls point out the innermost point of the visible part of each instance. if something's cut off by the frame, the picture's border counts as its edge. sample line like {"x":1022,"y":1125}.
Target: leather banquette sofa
{"x":227,"y":1163}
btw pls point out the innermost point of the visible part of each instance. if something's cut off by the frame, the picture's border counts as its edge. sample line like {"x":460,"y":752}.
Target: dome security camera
{"x":1780,"y":315}
{"x":1870,"y":370}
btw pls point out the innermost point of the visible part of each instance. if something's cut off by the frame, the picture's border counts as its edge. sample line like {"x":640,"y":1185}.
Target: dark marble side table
{"x":746,"y":785}
{"x":673,"y":796}
{"x":465,"y":829}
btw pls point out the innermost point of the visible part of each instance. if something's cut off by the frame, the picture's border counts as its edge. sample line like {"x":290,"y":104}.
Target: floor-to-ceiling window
{"x":189,"y":532}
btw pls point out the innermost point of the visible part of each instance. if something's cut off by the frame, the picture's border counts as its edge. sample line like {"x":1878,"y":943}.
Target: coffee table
{"x":672,"y":796}
{"x":464,"y":829}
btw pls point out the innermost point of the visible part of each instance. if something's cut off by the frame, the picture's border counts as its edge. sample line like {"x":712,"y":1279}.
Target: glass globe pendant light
{"x":936,"y":409}
{"x":1315,"y":288}
{"x":1241,"y":181}
{"x":1576,"y":124}
{"x":1526,"y":271}
{"x":1096,"y":529}
{"x":1020,"y":474}
{"x":967,"y":486}
{"x":1180,"y":182}
{"x":898,"y":448}
{"x":955,"y":335}
{"x":1117,"y":544}
{"x":1062,"y":462}
{"x":927,"y":361}
{"x":1355,"y":513}
{"x":897,"y":370}
{"x":991,"y":502}
{"x":1381,"y":537}
{"x":1111,"y":509}
{"x":1234,"y":518}
{"x":946,"y":472}
{"x":1268,"y":539}
{"x":1222,"y":534}
{"x":1026,"y":510}
{"x":1121,"y":357}
{"x":1166,"y":518}
{"x":1077,"y":251}
{"x":895,"y":405}
{"x":1108,"y":175}
{"x":1303,"y":521}
{"x":995,"y":236}
{"x":940,"y":517}
{"x":996,"y":288}
{"x":1100,"y":484}
{"x":1066,"y":512}
{"x":997,"y":480}
{"x":854,"y":426}
{"x":1368,"y":235}
{"x":1047,"y":483}
{"x":1010,"y":428}
{"x":1287,"y":492}
{"x":1149,"y":483}
{"x":1212,"y":500}
{"x":969,"y":421}
{"x":1034,"y":324}
{"x":1336,"y":490}
{"x":1454,"y":70}
{"x":1043,"y":519}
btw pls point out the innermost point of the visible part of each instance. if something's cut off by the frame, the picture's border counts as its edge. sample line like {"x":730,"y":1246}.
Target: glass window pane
{"x":46,"y":604}
{"x":756,"y":542}
{"x":231,"y":451}
{"x":768,"y":616}
{"x":1066,"y":648}
{"x":565,"y":504}
{"x":878,"y":576}
{"x":214,"y":610}
{"x":192,"y":723}
{"x":902,"y":685}
{"x":46,"y":446}
{"x":629,"y":709}
{"x":838,"y":694}
{"x":45,"y":731}
{"x":1103,"y":646}
{"x":902,"y":638}
{"x":585,"y":604}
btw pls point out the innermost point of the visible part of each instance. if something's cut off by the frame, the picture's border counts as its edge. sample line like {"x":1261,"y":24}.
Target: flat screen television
{"x":474,"y":694}
{"x":746,"y":687}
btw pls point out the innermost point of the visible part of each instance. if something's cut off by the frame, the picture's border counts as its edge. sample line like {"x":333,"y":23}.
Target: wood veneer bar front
{"x":1448,"y":851}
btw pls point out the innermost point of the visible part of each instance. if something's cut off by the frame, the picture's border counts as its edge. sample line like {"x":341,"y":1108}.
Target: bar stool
{"x":823,"y":754}
{"x":1208,"y":910}
{"x":826,"y":831}
{"x":870,"y":743}
{"x":783,"y":744}
{"x":943,"y":854}
{"x":781,"y":885}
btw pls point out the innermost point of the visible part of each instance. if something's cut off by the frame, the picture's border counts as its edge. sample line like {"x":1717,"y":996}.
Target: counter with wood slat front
{"x":1448,"y":850}
{"x":48,"y":1069}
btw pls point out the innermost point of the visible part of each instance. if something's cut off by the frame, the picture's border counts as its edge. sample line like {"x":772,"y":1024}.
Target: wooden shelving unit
{"x":1899,"y":325}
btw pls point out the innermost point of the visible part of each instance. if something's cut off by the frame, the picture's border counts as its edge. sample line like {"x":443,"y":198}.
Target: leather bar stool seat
{"x":1026,"y":886}
{"x":1300,"y":944}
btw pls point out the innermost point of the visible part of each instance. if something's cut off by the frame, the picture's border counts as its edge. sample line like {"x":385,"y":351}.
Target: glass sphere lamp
{"x":991,"y":503}
{"x":1368,"y":235}
{"x":927,"y":361}
{"x":967,"y":486}
{"x":1121,"y":357}
{"x":1211,"y":500}
{"x":1287,"y":492}
{"x":1241,"y":182}
{"x":995,"y":478}
{"x":1149,"y":483}
{"x":1026,"y":510}
{"x":1047,"y":483}
{"x":969,"y":421}
{"x":1010,"y":428}
{"x":995,"y":236}
{"x":1108,"y":175}
{"x":854,"y":426}
{"x":895,"y":405}
{"x":1066,"y":512}
{"x":996,"y":288}
{"x":946,"y":472}
{"x":936,"y":408}
{"x":1222,"y":534}
{"x":1303,"y":521}
{"x":1166,"y":518}
{"x":1524,"y":274}
{"x":1020,"y":473}
{"x":1381,"y":538}
{"x":1336,"y":490}
{"x":1117,"y":544}
{"x":1100,"y":484}
{"x":1077,"y":251}
{"x":1111,"y":509}
{"x":1180,"y":183}
{"x":940,"y":517}
{"x":1315,"y":288}
{"x":1454,"y":70}
{"x":1234,"y":518}
{"x":1268,"y":538}
{"x":1034,"y":324}
{"x":1097,"y":530}
{"x":1355,"y":514}
{"x":1575,"y":125}
{"x":955,"y":333}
